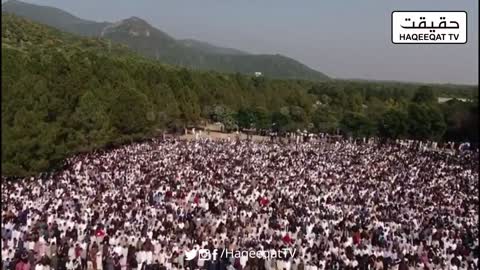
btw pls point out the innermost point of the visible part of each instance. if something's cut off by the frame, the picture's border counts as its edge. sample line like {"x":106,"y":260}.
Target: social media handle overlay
{"x":203,"y":254}
{"x":207,"y":255}
{"x":429,"y":27}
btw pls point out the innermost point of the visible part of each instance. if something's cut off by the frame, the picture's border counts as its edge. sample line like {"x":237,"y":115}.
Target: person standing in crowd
{"x":339,"y":204}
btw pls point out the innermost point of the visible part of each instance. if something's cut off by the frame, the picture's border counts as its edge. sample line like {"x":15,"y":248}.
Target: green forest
{"x":63,"y":94}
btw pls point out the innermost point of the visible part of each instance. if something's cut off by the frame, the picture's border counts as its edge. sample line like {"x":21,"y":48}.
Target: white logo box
{"x":429,"y":27}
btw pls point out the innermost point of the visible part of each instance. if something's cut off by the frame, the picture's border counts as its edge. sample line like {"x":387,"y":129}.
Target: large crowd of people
{"x":338,"y":205}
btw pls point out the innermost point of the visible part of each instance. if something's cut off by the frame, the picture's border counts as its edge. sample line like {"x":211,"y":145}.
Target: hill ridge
{"x":158,"y":45}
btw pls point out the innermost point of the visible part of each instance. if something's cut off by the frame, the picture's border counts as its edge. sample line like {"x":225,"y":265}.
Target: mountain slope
{"x":152,"y":42}
{"x":54,"y":17}
{"x":62,"y":94}
{"x":209,"y":48}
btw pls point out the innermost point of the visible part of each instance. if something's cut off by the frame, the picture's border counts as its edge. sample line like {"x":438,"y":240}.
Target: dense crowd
{"x":338,"y":205}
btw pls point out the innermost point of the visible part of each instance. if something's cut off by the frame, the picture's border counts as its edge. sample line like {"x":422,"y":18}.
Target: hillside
{"x":55,"y":17}
{"x":161,"y":46}
{"x":63,"y":94}
{"x":209,"y":48}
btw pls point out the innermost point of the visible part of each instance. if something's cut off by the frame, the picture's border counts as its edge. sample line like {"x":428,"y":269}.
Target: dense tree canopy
{"x":393,"y":124}
{"x":62,"y":95}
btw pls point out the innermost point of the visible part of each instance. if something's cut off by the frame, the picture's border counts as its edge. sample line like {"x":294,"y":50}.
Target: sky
{"x":347,"y":39}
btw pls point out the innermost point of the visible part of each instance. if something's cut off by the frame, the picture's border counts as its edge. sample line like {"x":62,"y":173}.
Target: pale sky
{"x":342,"y":38}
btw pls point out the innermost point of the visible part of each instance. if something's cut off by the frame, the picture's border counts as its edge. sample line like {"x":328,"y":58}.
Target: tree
{"x":298,"y":115}
{"x":325,"y":120}
{"x":91,"y":120}
{"x":425,"y":122}
{"x":280,"y":121}
{"x":418,"y":121}
{"x":357,"y":125}
{"x":393,"y":124}
{"x":375,"y":108}
{"x":424,"y":94}
{"x":165,"y":104}
{"x":224,"y":115}
{"x":188,"y":104}
{"x":437,"y":123}
{"x":90,"y":113}
{"x":261,"y":118}
{"x":245,"y":118}
{"x":472,"y":124}
{"x":129,"y":111}
{"x":218,"y":113}
{"x":355,"y":102}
